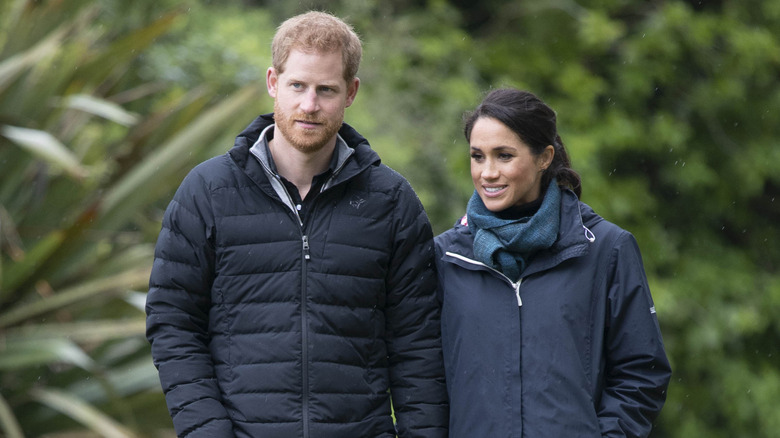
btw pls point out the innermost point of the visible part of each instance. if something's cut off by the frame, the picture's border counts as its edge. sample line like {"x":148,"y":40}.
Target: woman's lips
{"x":493,"y":191}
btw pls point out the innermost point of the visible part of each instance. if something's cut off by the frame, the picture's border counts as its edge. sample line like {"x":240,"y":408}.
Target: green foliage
{"x":668,"y":109}
{"x":226,"y":46}
{"x":89,"y":154}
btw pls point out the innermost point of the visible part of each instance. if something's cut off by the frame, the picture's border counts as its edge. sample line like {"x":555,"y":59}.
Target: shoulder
{"x":213,"y":173}
{"x":213,"y":168}
{"x":387,"y":178}
{"x":457,"y":239}
{"x":601,"y":228}
{"x":197,"y":190}
{"x":392,"y":186}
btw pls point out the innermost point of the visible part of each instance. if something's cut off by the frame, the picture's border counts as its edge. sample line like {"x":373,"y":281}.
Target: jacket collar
{"x":355,"y":154}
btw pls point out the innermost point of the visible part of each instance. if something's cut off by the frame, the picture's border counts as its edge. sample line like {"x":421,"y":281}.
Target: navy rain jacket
{"x":265,"y":327}
{"x":571,"y":350}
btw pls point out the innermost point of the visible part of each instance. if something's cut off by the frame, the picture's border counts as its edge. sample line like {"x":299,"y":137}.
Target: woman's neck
{"x":523,"y":210}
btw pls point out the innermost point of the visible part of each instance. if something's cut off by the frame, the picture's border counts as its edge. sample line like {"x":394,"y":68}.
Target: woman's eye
{"x":504,"y":157}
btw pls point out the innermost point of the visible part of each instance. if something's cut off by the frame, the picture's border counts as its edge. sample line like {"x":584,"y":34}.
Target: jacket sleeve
{"x":417,"y":382}
{"x":177,"y":308}
{"x":637,"y":372}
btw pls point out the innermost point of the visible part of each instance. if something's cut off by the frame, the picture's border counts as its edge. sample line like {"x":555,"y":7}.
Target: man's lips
{"x":308,"y":123}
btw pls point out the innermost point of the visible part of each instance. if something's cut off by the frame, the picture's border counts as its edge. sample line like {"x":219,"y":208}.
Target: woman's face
{"x":504,"y":170}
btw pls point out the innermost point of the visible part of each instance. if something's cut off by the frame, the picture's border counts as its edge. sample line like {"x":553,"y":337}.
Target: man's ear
{"x":352,"y":90}
{"x":271,"y":81}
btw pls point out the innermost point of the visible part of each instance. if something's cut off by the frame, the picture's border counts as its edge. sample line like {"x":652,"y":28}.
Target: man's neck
{"x":299,"y":167}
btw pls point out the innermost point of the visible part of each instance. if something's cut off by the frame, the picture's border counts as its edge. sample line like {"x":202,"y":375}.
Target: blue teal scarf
{"x":507,"y":244}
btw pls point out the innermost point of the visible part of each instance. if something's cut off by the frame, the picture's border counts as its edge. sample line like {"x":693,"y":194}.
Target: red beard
{"x":306,"y":140}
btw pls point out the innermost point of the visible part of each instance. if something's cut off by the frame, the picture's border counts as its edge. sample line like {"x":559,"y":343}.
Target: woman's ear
{"x":546,"y":157}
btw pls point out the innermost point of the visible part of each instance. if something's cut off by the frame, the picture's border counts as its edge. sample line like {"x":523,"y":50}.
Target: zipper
{"x":279,"y":187}
{"x":305,"y":257}
{"x":305,"y":336}
{"x":515,"y":285}
{"x":306,"y":254}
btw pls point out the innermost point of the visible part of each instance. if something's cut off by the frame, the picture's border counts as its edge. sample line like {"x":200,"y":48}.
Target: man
{"x":292,"y":293}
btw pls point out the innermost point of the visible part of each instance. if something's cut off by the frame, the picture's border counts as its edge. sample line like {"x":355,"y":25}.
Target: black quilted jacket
{"x":265,"y":327}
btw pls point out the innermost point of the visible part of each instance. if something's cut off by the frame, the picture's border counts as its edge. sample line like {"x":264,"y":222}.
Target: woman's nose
{"x":489,"y":170}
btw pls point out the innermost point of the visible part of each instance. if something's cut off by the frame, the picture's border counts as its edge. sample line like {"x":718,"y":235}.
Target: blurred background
{"x":670,"y":110}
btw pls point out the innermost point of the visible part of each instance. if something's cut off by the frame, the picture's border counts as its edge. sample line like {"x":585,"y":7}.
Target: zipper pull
{"x":306,"y":247}
{"x":517,"y":293}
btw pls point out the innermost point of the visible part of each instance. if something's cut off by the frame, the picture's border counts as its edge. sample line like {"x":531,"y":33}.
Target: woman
{"x":548,"y":325}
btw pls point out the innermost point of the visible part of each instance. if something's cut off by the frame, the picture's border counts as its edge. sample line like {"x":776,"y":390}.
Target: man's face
{"x":310,"y":97}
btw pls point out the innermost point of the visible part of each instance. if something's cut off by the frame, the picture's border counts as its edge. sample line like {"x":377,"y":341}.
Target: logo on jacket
{"x":357,"y":202}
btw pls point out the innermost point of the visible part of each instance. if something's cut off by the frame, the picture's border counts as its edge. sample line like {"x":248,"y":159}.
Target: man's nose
{"x":310,"y":102}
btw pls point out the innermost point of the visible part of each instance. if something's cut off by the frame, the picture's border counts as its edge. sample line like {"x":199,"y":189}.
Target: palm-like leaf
{"x":88,"y":155}
{"x":82,"y":412}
